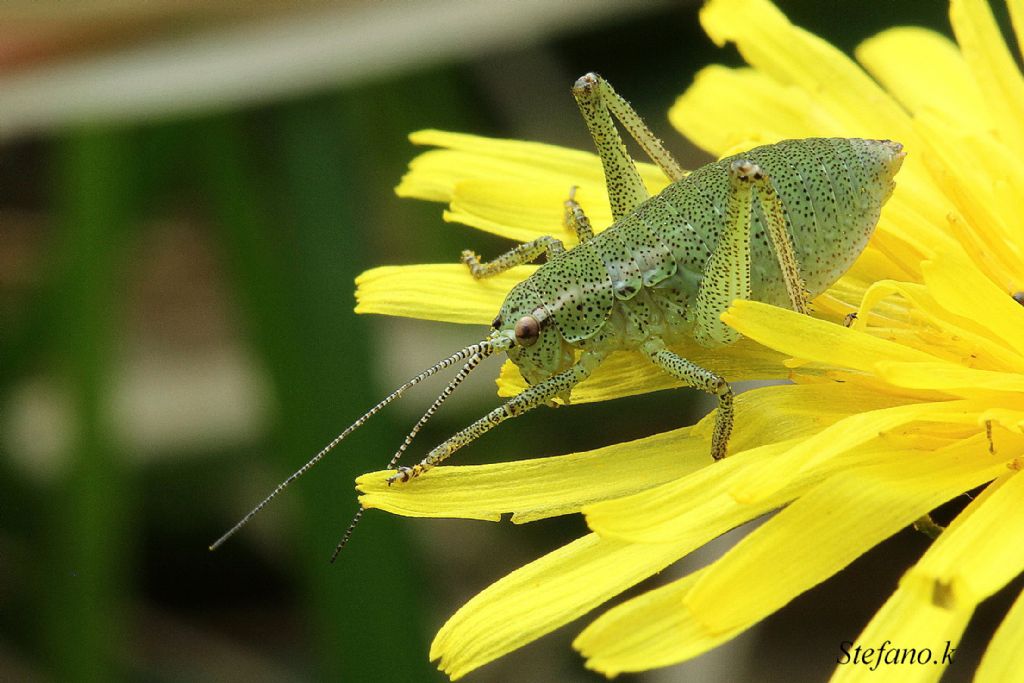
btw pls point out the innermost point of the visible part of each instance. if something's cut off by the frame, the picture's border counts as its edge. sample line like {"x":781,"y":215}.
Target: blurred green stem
{"x":294,"y":270}
{"x":86,"y":599}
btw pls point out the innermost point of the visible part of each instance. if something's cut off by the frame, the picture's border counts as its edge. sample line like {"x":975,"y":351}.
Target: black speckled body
{"x":639,"y":278}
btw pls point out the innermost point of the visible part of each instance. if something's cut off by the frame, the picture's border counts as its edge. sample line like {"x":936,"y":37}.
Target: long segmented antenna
{"x":482,"y":349}
{"x":470,"y":365}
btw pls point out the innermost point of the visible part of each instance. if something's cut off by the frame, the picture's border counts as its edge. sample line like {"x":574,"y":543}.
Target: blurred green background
{"x":187,"y":191}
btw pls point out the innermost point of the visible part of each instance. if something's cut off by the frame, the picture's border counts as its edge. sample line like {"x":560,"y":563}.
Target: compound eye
{"x":527,"y":330}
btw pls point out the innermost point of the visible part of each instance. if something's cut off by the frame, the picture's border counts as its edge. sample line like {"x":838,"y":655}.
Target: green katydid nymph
{"x":779,"y":224}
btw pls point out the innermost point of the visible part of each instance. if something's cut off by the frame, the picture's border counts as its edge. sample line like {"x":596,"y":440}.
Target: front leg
{"x":530,"y":398}
{"x":517,"y":256}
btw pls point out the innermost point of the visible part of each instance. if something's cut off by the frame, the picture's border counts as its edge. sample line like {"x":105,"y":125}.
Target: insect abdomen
{"x":832,"y":190}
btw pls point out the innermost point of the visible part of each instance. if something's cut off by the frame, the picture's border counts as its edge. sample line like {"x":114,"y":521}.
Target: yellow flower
{"x":918,"y":401}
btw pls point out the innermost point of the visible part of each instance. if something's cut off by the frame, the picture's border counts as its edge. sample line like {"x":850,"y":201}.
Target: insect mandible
{"x":778,"y":224}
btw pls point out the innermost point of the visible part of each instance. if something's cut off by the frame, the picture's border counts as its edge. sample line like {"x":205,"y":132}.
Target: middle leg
{"x":517,"y":256}
{"x":575,"y":219}
{"x":705,"y":380}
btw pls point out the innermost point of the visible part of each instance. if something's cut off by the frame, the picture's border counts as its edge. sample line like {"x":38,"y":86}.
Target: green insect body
{"x":779,"y":224}
{"x":639,"y":279}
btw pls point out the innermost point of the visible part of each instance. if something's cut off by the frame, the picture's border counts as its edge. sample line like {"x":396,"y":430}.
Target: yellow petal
{"x":829,"y":527}
{"x":1006,"y":418}
{"x":715,"y":112}
{"x":781,"y":416}
{"x":846,"y":294}
{"x":965,"y":165}
{"x":434,"y":175}
{"x":793,"y":56}
{"x":541,"y":487}
{"x":1004,"y":658}
{"x":949,"y":378}
{"x":688,"y":513}
{"x":524,"y":211}
{"x":992,"y":66}
{"x":796,"y":59}
{"x":963,"y":290}
{"x":981,"y":551}
{"x":874,"y":265}
{"x":529,"y":157}
{"x":804,"y":337}
{"x":775,"y":413}
{"x":963,"y":340}
{"x":901,"y":238}
{"x":922,"y":68}
{"x":975,"y":556}
{"x":646,"y":632}
{"x":977,"y":245}
{"x":763,"y":479}
{"x":445,"y":292}
{"x":884,"y":314}
{"x":510,"y":187}
{"x":650,"y":631}
{"x":544,"y":487}
{"x":541,"y":596}
{"x":628,"y":374}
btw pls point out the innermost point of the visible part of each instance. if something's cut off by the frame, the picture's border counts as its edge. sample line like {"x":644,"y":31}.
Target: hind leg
{"x":726,"y":275}
{"x":599,"y":103}
{"x":775,"y":217}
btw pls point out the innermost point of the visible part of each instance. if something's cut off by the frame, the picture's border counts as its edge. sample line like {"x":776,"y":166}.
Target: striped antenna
{"x":448,"y":390}
{"x":482,"y":349}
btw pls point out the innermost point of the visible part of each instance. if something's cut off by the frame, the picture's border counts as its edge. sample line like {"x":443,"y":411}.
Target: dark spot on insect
{"x":496,"y":323}
{"x":1018,"y":297}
